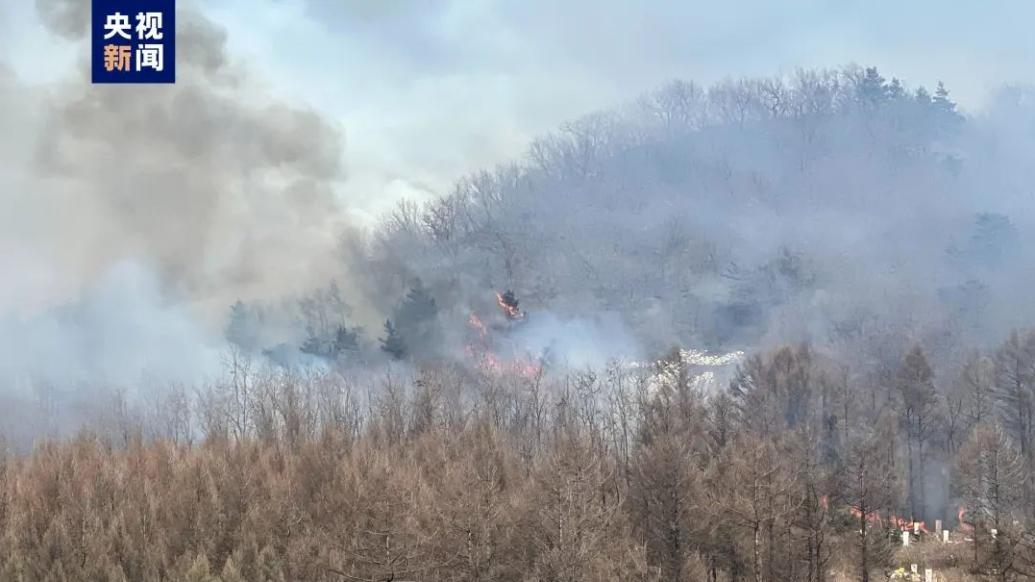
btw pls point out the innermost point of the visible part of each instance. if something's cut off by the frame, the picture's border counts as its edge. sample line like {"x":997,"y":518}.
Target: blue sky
{"x":427,"y":90}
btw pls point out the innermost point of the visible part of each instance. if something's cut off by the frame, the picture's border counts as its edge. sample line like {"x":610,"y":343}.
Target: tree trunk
{"x":756,"y":541}
{"x":864,"y":561}
{"x":912,"y":477}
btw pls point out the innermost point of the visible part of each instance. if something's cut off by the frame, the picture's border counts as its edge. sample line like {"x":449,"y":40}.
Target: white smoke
{"x":134,"y":216}
{"x":120,"y":332}
{"x":577,"y":342}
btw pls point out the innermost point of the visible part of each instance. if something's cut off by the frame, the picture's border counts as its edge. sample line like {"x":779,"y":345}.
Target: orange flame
{"x":893,"y":520}
{"x":480,"y":350}
{"x":964,"y":526}
{"x":477,"y":324}
{"x":511,"y":311}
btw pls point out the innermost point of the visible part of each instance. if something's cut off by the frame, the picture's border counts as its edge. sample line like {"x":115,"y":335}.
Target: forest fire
{"x":963,"y":525}
{"x":481,"y":348}
{"x":529,"y":306}
{"x":508,"y":302}
{"x":477,"y":324}
{"x":892,"y":521}
{"x":489,"y":362}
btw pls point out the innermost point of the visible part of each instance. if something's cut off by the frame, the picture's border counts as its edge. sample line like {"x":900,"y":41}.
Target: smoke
{"x":748,"y":214}
{"x":730,"y":217}
{"x":67,"y":18}
{"x":118,"y":332}
{"x":576,"y":342}
{"x":221,"y":192}
{"x":135,"y":215}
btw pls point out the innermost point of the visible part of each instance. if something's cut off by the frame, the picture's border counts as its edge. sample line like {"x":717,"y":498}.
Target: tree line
{"x":794,"y":471}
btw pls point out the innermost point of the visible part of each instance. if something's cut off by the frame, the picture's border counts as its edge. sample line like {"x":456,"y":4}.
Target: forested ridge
{"x":523,"y":410}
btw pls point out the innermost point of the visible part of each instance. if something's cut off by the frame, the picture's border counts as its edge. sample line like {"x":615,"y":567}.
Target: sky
{"x":426,"y":91}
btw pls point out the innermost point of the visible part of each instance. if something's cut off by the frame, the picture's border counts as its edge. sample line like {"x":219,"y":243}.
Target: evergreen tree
{"x":872,"y":90}
{"x":510,"y":299}
{"x":242,"y":330}
{"x":994,"y":239}
{"x":947,"y":119}
{"x":922,"y":96}
{"x":416,"y":319}
{"x":895,"y":89}
{"x":332,"y":347}
{"x":346,"y":339}
{"x":941,"y":99}
{"x":418,"y":308}
{"x":324,"y":315}
{"x":393,"y":342}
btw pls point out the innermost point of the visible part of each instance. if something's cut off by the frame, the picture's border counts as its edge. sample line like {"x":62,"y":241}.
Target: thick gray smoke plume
{"x":135,"y":215}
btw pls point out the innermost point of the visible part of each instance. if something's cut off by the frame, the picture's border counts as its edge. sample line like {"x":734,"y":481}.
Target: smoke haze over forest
{"x":451,"y":290}
{"x":778,"y":208}
{"x":808,"y":204}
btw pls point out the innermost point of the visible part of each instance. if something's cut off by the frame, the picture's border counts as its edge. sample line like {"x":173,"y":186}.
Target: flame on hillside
{"x":509,"y":304}
{"x":481,"y":350}
{"x":892,"y":520}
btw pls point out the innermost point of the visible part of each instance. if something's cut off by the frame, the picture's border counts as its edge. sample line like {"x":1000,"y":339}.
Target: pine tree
{"x":994,"y":240}
{"x":324,"y":315}
{"x":393,"y":342}
{"x":242,"y":329}
{"x":895,"y":89}
{"x":872,"y":89}
{"x":941,"y":99}
{"x":416,"y":319}
{"x":510,"y":299}
{"x":418,"y":308}
{"x":343,"y":340}
{"x":947,"y":119}
{"x":346,"y":339}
